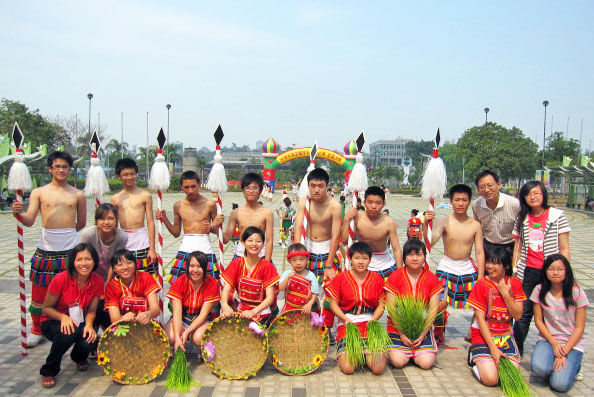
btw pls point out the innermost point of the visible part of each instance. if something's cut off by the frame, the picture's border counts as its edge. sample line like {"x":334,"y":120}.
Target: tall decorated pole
{"x":304,"y":189}
{"x":217,"y":184}
{"x":358,"y":183}
{"x":96,"y":184}
{"x":19,"y":179}
{"x":434,"y":186}
{"x":159,"y":181}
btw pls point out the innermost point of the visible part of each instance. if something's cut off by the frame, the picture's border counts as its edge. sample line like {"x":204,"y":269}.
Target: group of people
{"x":108,"y":272}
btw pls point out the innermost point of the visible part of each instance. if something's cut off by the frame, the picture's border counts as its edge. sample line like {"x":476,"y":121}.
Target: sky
{"x":303,"y":70}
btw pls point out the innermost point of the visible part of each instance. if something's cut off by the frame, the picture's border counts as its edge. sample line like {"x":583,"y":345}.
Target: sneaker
{"x":34,"y":340}
{"x":580,"y":375}
{"x":332,"y":338}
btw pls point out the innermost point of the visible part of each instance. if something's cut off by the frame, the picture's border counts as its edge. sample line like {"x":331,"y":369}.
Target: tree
{"x":37,"y":129}
{"x":454,"y":162}
{"x":558,"y":146}
{"x":415,"y":150}
{"x":504,"y":150}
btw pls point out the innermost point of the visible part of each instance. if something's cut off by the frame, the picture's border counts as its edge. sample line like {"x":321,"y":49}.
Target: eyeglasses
{"x":556,"y":270}
{"x":60,"y":167}
{"x":490,"y":186}
{"x":251,"y":188}
{"x":534,"y":194}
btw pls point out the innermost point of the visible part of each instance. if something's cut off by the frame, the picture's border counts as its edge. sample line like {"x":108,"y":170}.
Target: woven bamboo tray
{"x":239,"y":353}
{"x":132,"y":353}
{"x":295,"y":346}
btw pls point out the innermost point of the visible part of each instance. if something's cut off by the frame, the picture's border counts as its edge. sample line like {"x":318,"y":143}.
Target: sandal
{"x":83,"y":366}
{"x":48,"y":381}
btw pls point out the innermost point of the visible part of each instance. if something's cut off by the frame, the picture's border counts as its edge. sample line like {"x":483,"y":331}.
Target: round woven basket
{"x":133,"y":353}
{"x":238,"y":352}
{"x":296,"y":347}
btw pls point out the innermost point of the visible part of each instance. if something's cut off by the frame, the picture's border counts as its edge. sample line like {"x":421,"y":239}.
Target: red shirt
{"x":355,"y":299}
{"x":141,"y":287}
{"x":486,"y":297}
{"x":69,"y":293}
{"x":399,"y":283}
{"x":192,"y":299}
{"x":414,"y":221}
{"x":264,"y":270}
{"x":536,"y":229}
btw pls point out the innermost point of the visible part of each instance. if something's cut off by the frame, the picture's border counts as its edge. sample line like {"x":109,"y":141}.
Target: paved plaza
{"x":450,"y":376}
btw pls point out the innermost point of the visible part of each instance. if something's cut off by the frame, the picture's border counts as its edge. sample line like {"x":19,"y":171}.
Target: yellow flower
{"x":323,"y":330}
{"x":158,"y":331}
{"x":274,"y":359}
{"x":318,"y":360}
{"x":119,"y":375}
{"x":156,"y":370}
{"x":102,"y":359}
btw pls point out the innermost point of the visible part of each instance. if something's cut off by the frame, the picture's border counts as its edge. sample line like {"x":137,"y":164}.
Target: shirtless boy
{"x":194,"y":213}
{"x":323,"y":231}
{"x":456,"y":269}
{"x":134,"y":204}
{"x":375,"y":228}
{"x":63,"y":212}
{"x":252,"y":213}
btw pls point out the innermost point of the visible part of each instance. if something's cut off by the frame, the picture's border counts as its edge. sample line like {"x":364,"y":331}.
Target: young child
{"x":300,"y":285}
{"x":560,"y":316}
{"x":131,"y":295}
{"x":286,"y":216}
{"x":415,"y":226}
{"x":357,"y":296}
{"x":496,"y":299}
{"x":417,"y":280}
{"x":235,"y":235}
{"x":134,"y":205}
{"x":253,"y":277}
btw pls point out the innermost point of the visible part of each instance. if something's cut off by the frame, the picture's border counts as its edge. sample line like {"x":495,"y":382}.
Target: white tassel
{"x":217,"y":180}
{"x":96,"y":184}
{"x":18,"y":176}
{"x":358,"y":180}
{"x":435,"y":180}
{"x":304,"y":188}
{"x":159,"y":178}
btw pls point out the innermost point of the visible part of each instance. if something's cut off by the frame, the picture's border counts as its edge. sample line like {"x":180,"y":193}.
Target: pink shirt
{"x":560,"y":321}
{"x":537,"y":226}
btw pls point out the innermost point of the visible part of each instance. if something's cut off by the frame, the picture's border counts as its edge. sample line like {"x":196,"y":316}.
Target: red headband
{"x":297,"y":253}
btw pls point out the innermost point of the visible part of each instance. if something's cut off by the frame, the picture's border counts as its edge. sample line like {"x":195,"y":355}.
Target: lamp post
{"x":168,"y":106}
{"x":544,"y":133}
{"x":122,"y":136}
{"x":486,"y":112}
{"x":147,"y":149}
{"x":90,"y":96}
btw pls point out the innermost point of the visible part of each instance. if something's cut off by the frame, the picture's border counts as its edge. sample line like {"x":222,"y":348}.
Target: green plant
{"x":354,"y":349}
{"x":409,"y":315}
{"x":511,"y":380}
{"x":378,"y":340}
{"x":179,"y":377}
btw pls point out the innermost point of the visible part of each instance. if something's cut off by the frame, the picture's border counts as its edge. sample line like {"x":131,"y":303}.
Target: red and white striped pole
{"x":160,"y":270}
{"x":220,"y":231}
{"x":429,"y":240}
{"x":22,"y":291}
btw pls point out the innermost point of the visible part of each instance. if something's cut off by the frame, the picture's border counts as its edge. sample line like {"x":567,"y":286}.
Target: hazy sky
{"x":303,"y":70}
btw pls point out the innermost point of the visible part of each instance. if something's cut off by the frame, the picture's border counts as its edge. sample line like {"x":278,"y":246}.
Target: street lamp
{"x":147,"y":148}
{"x":168,"y":106}
{"x":544,"y":133}
{"x":486,"y":111}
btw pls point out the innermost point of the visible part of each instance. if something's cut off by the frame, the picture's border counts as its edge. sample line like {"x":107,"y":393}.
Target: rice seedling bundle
{"x":354,"y":349}
{"x":409,"y":315}
{"x":378,"y":340}
{"x":511,"y":380}
{"x":179,"y":377}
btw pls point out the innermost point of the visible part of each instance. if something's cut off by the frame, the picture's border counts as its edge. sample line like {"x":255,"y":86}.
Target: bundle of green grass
{"x":353,"y":345}
{"x":378,"y":340}
{"x":511,"y":380}
{"x":409,"y":315}
{"x":179,"y":377}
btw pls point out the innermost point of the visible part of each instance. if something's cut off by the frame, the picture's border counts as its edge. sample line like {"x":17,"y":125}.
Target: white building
{"x":388,"y":152}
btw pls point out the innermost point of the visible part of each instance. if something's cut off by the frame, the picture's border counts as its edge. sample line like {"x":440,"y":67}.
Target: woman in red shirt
{"x":69,"y":311}
{"x":253,"y":277}
{"x":131,"y":295}
{"x":193,"y":296}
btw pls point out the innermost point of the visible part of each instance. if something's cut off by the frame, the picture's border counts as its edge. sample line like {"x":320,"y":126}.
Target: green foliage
{"x":408,"y":315}
{"x":175,"y":183}
{"x":504,"y":150}
{"x":558,"y":146}
{"x":378,"y":340}
{"x":36,"y":128}
{"x":511,"y":379}
{"x":414,"y":149}
{"x":354,"y":348}
{"x":179,"y":378}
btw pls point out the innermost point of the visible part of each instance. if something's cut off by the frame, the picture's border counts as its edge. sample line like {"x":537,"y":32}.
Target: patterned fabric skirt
{"x":458,"y":287}
{"x":429,"y":345}
{"x":142,"y":262}
{"x":507,"y":344}
{"x":178,"y":266}
{"x":46,"y":264}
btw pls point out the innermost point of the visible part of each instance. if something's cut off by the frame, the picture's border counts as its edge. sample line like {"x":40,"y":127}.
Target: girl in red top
{"x":417,"y":280}
{"x":253,"y":277}
{"x":131,"y":295}
{"x":69,"y":311}
{"x":496,"y":299}
{"x":193,"y":296}
{"x":357,"y":297}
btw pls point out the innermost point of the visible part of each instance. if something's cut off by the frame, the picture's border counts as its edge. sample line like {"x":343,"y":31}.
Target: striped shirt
{"x":557,"y":224}
{"x":497,"y":224}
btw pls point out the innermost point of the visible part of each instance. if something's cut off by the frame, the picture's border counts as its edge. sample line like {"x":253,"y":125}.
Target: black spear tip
{"x":161,"y":138}
{"x":95,"y":141}
{"x":314,"y":151}
{"x":360,"y":141}
{"x":218,"y":135}
{"x":437,"y":138}
{"x":17,"y":135}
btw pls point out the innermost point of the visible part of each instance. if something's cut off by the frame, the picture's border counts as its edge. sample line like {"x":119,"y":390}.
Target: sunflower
{"x":119,"y":375}
{"x":323,"y":330}
{"x":156,"y":370}
{"x":158,"y":331}
{"x":274,"y":359}
{"x":318,"y":360}
{"x":102,"y":359}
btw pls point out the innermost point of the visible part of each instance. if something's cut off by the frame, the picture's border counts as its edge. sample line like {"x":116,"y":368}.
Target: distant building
{"x":388,"y":152}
